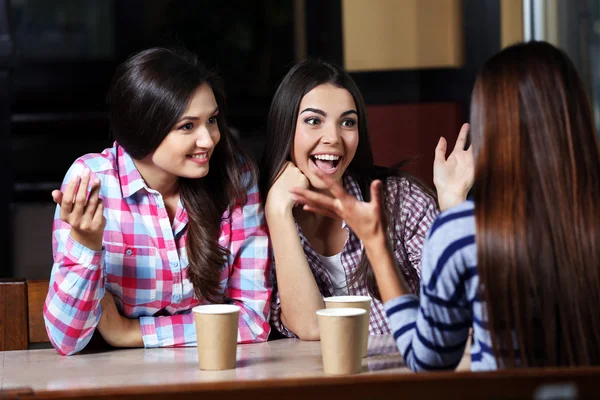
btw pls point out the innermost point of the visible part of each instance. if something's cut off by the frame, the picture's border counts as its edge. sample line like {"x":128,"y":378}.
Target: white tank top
{"x":333,"y":265}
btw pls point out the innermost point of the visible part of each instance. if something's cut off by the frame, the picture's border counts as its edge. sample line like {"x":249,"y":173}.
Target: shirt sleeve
{"x":417,"y":212}
{"x":72,"y":306}
{"x":171,"y":330}
{"x":249,"y":284}
{"x":431,"y":330}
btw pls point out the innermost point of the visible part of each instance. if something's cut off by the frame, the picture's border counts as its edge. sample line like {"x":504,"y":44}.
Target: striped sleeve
{"x":431,"y":331}
{"x":72,"y":310}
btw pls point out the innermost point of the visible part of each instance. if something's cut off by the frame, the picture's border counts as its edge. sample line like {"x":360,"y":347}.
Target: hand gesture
{"x":366,"y":219}
{"x":453,"y":176}
{"x":84,"y":214}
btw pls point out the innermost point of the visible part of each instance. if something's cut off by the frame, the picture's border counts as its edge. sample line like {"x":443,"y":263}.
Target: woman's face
{"x":326,"y":135}
{"x":185,"y":152}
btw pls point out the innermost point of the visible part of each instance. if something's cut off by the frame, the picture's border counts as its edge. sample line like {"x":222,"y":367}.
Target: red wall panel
{"x":411,"y":131}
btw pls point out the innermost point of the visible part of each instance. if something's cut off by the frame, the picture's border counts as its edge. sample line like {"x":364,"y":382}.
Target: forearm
{"x":298,"y":291}
{"x":390,"y":281}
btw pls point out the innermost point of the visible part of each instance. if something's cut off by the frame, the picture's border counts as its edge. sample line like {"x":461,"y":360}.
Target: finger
{"x":69,"y":194}
{"x":320,"y":211}
{"x":440,"y":150}
{"x":335,"y":187}
{"x":90,"y":208}
{"x":99,"y":214}
{"x":57,"y":196}
{"x":376,"y":186}
{"x":81,"y":195}
{"x":462,"y":137}
{"x":304,"y":195}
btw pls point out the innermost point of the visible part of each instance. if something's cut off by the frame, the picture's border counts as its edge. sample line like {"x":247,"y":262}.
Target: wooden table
{"x":284,"y":369}
{"x":285,"y":358}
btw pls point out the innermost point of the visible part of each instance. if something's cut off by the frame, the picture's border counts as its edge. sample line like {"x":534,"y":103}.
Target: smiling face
{"x":186,"y":150}
{"x":326,"y":135}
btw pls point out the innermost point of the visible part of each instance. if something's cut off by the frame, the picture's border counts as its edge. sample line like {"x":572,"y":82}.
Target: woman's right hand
{"x":85,"y":214}
{"x":279,"y":199}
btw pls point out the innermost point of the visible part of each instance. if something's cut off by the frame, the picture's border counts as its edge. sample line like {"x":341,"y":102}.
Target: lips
{"x":328,"y":163}
{"x":198,"y":158}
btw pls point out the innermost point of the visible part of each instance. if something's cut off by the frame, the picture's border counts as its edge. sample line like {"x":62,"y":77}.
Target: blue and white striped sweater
{"x":431,"y":331}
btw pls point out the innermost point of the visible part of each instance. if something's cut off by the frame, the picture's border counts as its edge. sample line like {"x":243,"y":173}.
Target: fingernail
{"x":86,"y":173}
{"x":75,"y":178}
{"x":96,"y":181}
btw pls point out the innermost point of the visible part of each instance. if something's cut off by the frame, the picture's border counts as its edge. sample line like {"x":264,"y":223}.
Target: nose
{"x":331,"y":134}
{"x":204,"y":139}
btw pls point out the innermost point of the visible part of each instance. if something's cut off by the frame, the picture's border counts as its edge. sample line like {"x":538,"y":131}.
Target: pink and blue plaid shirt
{"x":143,"y":264}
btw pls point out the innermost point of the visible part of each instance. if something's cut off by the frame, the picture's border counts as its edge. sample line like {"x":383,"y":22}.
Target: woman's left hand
{"x":453,"y":176}
{"x":117,"y":330}
{"x":364,"y":218}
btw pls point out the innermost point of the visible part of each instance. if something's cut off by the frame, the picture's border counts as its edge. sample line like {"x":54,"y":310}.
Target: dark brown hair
{"x":149,"y":93}
{"x":537,"y":208}
{"x":281,"y":127}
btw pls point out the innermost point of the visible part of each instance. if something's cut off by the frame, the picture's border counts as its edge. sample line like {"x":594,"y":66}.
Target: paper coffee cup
{"x":363,"y":302}
{"x":342,"y":335}
{"x":216,"y":334}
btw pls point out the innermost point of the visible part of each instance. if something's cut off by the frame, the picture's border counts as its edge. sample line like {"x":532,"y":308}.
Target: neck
{"x":164,"y":183}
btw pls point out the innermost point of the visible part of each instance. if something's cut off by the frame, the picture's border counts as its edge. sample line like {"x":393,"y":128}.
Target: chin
{"x":195,"y":174}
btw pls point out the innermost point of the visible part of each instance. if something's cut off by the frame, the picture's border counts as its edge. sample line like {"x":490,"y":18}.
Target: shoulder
{"x":450,"y":245}
{"x":98,"y":163}
{"x":408,"y":196}
{"x":454,"y":223}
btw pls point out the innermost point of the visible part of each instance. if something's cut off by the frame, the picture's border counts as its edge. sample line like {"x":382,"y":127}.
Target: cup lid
{"x":341,"y":312}
{"x":346,"y":299}
{"x":216,"y":309}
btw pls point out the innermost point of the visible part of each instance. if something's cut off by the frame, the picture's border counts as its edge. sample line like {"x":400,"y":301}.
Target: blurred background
{"x":414,"y":60}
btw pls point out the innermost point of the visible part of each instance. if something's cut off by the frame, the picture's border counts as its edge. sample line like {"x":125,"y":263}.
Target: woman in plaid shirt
{"x":318,"y":124}
{"x":143,"y":231}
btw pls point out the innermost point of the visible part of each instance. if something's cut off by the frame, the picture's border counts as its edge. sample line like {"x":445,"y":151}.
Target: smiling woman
{"x":158,"y":232}
{"x":317,"y":126}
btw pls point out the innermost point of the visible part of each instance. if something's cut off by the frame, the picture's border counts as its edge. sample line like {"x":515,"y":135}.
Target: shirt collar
{"x":129,"y":176}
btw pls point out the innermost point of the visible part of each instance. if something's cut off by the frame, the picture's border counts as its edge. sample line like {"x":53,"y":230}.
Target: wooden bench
{"x":21,"y":319}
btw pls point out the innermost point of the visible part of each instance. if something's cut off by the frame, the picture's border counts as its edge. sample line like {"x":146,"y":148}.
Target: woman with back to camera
{"x":520,"y":261}
{"x":318,"y":123}
{"x":158,"y":232}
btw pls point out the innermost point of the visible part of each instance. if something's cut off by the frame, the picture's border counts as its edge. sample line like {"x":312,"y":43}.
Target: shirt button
{"x":129,"y":252}
{"x":174,"y":265}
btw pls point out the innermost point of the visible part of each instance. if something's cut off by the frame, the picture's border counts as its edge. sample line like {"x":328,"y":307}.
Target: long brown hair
{"x":149,"y":93}
{"x":537,"y":208}
{"x":281,"y":126}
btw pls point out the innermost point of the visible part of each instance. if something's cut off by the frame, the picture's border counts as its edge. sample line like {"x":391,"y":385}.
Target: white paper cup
{"x":363,"y":302}
{"x":342,"y":335}
{"x":216,"y":334}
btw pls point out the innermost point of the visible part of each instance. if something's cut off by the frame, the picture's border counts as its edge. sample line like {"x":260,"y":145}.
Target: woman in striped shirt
{"x":158,"y":233}
{"x":318,"y":122}
{"x":520,"y":262}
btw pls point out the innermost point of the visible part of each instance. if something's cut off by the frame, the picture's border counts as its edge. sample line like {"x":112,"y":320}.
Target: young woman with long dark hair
{"x":158,"y":232}
{"x":318,"y":122}
{"x":519,"y":263}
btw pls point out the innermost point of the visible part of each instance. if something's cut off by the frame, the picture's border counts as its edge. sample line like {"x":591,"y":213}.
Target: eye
{"x":212,"y":120}
{"x":312,"y":120}
{"x":348,"y":123}
{"x":187,"y":127}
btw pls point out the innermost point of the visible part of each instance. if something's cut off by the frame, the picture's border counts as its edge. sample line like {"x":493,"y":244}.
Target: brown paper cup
{"x":216,"y":333}
{"x":363,"y":302}
{"x":342,"y":335}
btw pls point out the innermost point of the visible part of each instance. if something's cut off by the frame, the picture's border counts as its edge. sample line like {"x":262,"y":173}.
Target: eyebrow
{"x":323,"y":113}
{"x":187,"y":117}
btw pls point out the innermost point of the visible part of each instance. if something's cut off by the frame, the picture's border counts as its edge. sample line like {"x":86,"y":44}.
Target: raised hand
{"x":85,"y":214}
{"x":279,"y":199}
{"x":453,"y":176}
{"x":366,"y":219}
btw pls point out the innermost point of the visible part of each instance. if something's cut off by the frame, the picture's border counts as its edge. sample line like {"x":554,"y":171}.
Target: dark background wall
{"x":57,"y":58}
